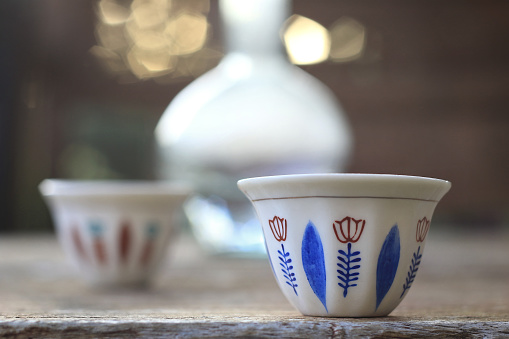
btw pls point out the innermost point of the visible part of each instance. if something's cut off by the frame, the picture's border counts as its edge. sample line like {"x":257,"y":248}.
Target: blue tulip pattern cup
{"x":345,"y":245}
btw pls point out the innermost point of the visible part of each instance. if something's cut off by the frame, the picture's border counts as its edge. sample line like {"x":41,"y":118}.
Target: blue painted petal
{"x":313,"y":262}
{"x":388,"y":261}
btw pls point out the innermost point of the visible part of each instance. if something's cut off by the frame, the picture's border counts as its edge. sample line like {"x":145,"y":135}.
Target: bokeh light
{"x":152,"y":38}
{"x":307,"y":41}
{"x":169,"y":39}
{"x":348,"y":39}
{"x":187,"y":32}
{"x":112,"y":13}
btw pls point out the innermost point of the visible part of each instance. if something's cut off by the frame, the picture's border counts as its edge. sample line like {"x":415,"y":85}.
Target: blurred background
{"x":424,"y":84}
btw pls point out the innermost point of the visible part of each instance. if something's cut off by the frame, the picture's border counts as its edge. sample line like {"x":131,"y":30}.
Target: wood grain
{"x":461,"y":290}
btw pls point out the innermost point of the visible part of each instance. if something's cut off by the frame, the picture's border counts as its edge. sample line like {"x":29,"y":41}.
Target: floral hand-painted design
{"x":285,"y":259}
{"x":279,"y":227}
{"x":98,"y":252}
{"x":313,"y":262}
{"x":348,"y":231}
{"x":420,"y":236}
{"x":387,"y":265}
{"x":422,"y":229}
{"x":124,"y":240}
{"x":414,"y":267}
{"x":78,"y":243}
{"x":98,"y":242}
{"x":151,"y":233}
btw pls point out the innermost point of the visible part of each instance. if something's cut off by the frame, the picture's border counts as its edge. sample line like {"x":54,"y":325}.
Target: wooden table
{"x":461,"y":290}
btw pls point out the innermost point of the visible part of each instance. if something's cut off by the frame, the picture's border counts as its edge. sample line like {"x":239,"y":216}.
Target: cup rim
{"x":344,"y":185}
{"x":110,"y":188}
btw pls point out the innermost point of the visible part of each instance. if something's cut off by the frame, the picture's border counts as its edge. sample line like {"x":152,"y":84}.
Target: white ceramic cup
{"x":344,"y":245}
{"x":114,"y":232}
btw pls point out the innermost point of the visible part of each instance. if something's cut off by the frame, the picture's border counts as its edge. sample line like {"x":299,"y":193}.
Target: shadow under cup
{"x":344,"y":245}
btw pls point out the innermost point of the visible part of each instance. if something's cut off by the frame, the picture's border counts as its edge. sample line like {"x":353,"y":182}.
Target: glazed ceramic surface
{"x":114,"y":233}
{"x":345,"y":245}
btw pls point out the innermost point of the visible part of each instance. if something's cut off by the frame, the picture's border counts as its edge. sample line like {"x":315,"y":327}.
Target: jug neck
{"x":253,"y":27}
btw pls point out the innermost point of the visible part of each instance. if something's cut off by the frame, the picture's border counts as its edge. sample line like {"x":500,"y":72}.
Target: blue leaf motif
{"x":414,"y":267}
{"x":387,"y":266}
{"x":347,"y":268}
{"x":285,"y":259}
{"x":313,"y":261}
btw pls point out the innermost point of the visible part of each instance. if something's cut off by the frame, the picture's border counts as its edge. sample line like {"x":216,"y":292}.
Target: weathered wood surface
{"x":461,"y":290}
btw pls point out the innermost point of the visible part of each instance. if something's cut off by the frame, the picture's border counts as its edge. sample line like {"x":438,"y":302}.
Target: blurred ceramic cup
{"x":115,"y":233}
{"x":344,"y":245}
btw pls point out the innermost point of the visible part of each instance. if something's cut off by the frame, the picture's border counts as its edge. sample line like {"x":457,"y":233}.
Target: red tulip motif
{"x":125,"y":240}
{"x":278,"y":226}
{"x":78,"y":243}
{"x":422,"y":229}
{"x":348,"y":230}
